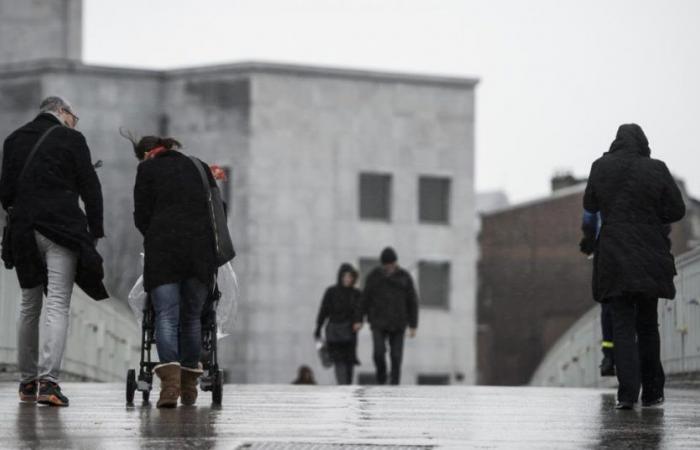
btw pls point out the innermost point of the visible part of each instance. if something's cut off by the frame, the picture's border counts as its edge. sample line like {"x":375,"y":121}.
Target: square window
{"x":434,"y":284}
{"x":434,"y":200}
{"x":375,"y":196}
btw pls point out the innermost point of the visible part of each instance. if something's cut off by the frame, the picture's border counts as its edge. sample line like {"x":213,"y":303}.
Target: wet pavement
{"x":299,"y":417}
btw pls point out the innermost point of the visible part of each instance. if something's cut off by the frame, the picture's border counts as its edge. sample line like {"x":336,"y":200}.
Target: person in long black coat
{"x":340,"y":311}
{"x":171,"y":211}
{"x":49,"y":239}
{"x":638,"y":199}
{"x":47,"y":201}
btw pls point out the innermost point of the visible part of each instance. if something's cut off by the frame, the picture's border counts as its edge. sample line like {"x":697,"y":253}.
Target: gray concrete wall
{"x":573,"y":361}
{"x":311,"y":136}
{"x":40,"y":29}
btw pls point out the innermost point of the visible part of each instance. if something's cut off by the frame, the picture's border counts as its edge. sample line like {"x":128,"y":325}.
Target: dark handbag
{"x":339,"y":332}
{"x":324,"y":355}
{"x":7,"y":255}
{"x":223,"y":245}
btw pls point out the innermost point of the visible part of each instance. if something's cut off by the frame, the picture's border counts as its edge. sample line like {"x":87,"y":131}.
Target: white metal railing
{"x":573,"y":360}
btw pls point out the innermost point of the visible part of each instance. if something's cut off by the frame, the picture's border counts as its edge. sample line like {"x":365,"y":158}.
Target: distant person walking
{"x":49,"y":240}
{"x":171,"y":211}
{"x":633,"y":266}
{"x":341,"y":314}
{"x":391,"y":304}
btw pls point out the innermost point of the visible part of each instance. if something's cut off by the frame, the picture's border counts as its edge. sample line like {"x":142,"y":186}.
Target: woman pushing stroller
{"x":180,"y":263}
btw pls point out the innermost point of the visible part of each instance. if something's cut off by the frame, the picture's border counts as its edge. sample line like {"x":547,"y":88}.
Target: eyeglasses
{"x":76,"y":118}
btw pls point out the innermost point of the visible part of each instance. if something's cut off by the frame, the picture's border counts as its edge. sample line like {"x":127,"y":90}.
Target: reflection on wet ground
{"x":296,"y":417}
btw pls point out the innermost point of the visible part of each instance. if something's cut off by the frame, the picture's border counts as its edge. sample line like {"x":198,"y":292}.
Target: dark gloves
{"x":587,"y":245}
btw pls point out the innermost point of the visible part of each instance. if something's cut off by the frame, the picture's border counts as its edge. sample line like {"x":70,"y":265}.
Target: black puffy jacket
{"x":638,"y":199}
{"x":390,"y":301}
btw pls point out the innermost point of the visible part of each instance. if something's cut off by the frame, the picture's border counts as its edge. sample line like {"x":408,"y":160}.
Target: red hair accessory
{"x":155,"y":152}
{"x":217,"y":172}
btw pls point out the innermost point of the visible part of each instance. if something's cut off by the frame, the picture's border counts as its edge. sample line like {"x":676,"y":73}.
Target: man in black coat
{"x":50,"y":240}
{"x":638,"y":199}
{"x":391,"y":304}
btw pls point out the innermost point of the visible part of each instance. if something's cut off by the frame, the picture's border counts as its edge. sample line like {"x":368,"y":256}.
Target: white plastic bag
{"x":228,"y":303}
{"x":137,"y":300}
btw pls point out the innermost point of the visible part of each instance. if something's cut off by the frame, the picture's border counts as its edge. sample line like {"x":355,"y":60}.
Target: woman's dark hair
{"x":148,"y":143}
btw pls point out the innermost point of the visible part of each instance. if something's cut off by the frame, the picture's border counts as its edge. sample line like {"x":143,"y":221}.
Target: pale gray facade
{"x":296,"y":140}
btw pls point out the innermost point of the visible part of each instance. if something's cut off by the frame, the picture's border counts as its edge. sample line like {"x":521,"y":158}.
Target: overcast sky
{"x":557,"y":76}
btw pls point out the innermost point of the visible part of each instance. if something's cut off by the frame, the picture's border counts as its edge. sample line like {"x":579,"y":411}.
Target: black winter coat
{"x":390,"y":301}
{"x":638,"y":199}
{"x":171,"y":211}
{"x":341,"y":305}
{"x":60,"y":174}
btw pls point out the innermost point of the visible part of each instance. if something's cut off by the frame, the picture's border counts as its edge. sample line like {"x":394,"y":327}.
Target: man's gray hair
{"x":54,"y":104}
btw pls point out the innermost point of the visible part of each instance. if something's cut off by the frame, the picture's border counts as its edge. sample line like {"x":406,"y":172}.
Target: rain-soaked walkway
{"x":296,"y":417}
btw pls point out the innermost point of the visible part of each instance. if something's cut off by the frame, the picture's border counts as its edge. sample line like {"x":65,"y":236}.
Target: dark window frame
{"x":363,"y":207}
{"x":447,"y":287}
{"x":446,"y":207}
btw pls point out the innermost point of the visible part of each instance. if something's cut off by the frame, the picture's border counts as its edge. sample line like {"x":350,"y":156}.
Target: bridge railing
{"x":573,"y":361}
{"x":103,"y":337}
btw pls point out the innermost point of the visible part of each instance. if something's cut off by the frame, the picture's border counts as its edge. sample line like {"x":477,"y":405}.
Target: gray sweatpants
{"x":61,"y":265}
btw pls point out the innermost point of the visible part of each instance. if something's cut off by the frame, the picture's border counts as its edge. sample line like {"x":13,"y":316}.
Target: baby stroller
{"x":213,"y":378}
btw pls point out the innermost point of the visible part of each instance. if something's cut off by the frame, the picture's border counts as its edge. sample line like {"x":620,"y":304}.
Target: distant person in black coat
{"x":51,"y":241}
{"x":171,"y":211}
{"x":638,"y":199}
{"x":390,"y":303}
{"x":341,"y":312}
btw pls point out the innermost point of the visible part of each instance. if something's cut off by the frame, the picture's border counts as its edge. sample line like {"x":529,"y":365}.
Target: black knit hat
{"x":388,"y":256}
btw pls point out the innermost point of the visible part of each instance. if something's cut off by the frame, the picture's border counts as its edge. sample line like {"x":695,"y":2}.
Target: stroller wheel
{"x":218,"y":387}
{"x":130,"y":386}
{"x":146,"y":395}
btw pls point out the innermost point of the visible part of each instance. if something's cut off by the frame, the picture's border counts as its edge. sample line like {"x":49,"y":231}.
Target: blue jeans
{"x":178,"y":308}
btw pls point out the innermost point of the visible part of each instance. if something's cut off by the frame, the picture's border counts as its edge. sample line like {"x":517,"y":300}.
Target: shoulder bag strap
{"x":33,"y":151}
{"x":207,"y":191}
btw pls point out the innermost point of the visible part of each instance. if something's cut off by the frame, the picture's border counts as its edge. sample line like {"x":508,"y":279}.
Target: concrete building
{"x":326,"y":165}
{"x":534,"y":284}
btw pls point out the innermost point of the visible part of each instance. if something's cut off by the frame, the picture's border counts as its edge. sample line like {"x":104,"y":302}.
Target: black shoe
{"x":50,"y":394}
{"x":27,"y":392}
{"x":656,"y":402}
{"x":607,"y":367}
{"x":624,"y":405}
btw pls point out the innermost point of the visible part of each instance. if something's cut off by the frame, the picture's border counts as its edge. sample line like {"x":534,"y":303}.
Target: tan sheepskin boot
{"x":188,"y":384}
{"x":169,"y":375}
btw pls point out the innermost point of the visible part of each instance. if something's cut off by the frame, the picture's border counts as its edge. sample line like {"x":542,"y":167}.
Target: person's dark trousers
{"x":606,"y":326}
{"x":395,"y":340}
{"x":343,"y":372}
{"x":637,"y":348}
